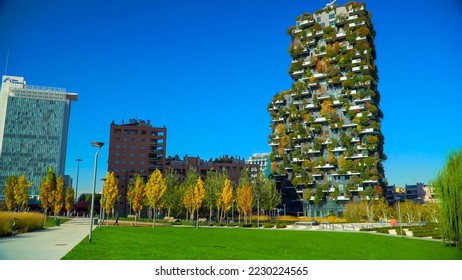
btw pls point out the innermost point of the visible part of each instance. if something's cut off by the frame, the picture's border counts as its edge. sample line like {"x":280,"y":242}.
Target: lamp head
{"x":97,"y":144}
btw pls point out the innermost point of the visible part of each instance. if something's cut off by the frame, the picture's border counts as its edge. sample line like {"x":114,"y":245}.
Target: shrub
{"x":27,"y":221}
{"x":268,"y":225}
{"x":245,"y":225}
{"x":383,"y":230}
{"x":281,"y":225}
{"x":400,"y":232}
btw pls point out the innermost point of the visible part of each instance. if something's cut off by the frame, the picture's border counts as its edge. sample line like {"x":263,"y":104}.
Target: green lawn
{"x":186,"y":243}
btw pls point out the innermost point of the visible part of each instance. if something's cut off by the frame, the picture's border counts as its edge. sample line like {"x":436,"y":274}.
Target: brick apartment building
{"x":233,"y":165}
{"x":135,"y":147}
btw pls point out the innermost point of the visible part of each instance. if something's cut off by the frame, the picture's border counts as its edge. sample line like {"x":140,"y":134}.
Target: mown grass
{"x":186,"y":243}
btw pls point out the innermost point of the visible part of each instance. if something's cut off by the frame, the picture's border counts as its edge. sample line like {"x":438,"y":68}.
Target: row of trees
{"x":214,"y":194}
{"x":53,"y":196}
{"x":373,"y":210}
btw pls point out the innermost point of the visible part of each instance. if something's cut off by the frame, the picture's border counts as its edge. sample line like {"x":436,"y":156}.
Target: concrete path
{"x":48,"y":244}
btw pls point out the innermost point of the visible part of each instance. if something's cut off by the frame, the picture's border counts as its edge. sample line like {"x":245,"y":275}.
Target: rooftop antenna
{"x":7,"y":56}
{"x":330,"y":4}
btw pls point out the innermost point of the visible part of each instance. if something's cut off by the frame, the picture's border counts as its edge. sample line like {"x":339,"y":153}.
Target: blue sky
{"x":207,"y":70}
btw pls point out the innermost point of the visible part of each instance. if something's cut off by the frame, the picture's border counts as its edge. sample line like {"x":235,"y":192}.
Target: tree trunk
{"x":197,"y":219}
{"x":210,"y":214}
{"x":154,"y":217}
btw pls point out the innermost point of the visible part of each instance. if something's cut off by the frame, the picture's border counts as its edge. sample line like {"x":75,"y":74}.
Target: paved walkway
{"x":48,"y":244}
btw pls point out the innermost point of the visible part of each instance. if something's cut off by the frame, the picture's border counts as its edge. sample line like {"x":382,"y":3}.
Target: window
{"x":318,"y":19}
{"x":332,"y":22}
{"x":331,"y":16}
{"x":323,"y":24}
{"x":117,"y":146}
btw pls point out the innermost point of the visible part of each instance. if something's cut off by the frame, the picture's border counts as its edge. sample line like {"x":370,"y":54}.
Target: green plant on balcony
{"x":332,"y":159}
{"x":296,"y":66}
{"x":335,"y":194}
{"x":290,"y":31}
{"x":318,"y":195}
{"x":321,"y":161}
{"x":317,"y":127}
{"x":295,"y":181}
{"x":307,"y":194}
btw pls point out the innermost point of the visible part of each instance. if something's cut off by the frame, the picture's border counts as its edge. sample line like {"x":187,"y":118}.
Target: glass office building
{"x":33,"y":130}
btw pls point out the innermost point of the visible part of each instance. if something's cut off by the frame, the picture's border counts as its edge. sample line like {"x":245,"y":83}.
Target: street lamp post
{"x":98,"y":145}
{"x":77,"y":180}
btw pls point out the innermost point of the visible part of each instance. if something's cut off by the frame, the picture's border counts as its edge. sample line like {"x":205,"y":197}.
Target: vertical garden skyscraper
{"x":326,"y":139}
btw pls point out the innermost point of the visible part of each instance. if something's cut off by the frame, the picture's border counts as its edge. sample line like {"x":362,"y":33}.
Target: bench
{"x":306,"y":223}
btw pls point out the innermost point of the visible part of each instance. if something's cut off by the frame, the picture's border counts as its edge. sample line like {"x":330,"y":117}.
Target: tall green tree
{"x":155,"y":190}
{"x":174,"y":194}
{"x":8,"y":192}
{"x":448,"y":186}
{"x":271,"y":198}
{"x":47,"y":187}
{"x":188,"y":186}
{"x":110,"y":193}
{"x":213,"y":185}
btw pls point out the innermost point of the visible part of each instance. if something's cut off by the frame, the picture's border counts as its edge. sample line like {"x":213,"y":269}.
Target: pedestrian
{"x":116,"y":218}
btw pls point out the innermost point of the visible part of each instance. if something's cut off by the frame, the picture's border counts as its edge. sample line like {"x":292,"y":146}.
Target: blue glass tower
{"x":33,"y":130}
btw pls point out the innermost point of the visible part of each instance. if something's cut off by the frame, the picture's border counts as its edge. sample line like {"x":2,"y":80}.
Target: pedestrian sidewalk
{"x":47,"y":244}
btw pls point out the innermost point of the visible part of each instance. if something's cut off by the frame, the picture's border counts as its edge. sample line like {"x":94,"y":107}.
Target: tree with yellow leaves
{"x":188,"y":202}
{"x":47,"y":187}
{"x":69,"y":199}
{"x":21,"y":193}
{"x":227,"y":197}
{"x":155,"y":190}
{"x":110,"y":193}
{"x":199,"y":194}
{"x":245,"y":200}
{"x":58,"y":196}
{"x":137,"y":195}
{"x":8,"y":192}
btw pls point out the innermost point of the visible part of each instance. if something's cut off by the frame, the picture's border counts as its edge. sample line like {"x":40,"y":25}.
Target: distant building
{"x":34,"y":123}
{"x":135,"y":147}
{"x":417,"y":193}
{"x":263,"y":160}
{"x":429,"y":194}
{"x":234,"y":166}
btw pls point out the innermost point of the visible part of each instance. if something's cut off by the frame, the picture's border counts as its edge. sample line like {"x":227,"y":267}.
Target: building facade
{"x":234,"y":166}
{"x":263,"y":160}
{"x":34,"y":122}
{"x":135,"y":147}
{"x":326,"y":138}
